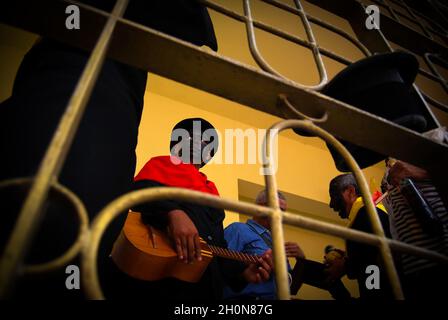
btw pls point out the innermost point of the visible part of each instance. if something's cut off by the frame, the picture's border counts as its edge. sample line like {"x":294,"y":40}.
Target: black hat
{"x":381,"y":85}
{"x":206,"y":132}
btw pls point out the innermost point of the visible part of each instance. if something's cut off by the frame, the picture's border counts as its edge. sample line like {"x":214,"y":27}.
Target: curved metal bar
{"x":253,"y":43}
{"x":395,"y":15}
{"x":425,"y":103}
{"x":430,"y":75}
{"x":436,"y":7}
{"x":75,"y":248}
{"x":268,"y":163}
{"x":277,"y":32}
{"x":294,"y":39}
{"x":434,"y":76}
{"x":90,"y":282}
{"x":301,"y":42}
{"x":342,"y":33}
{"x":315,"y":47}
{"x":283,"y":98}
{"x":299,"y":10}
{"x":31,"y":213}
{"x":278,"y":239}
{"x":431,"y":27}
{"x":286,"y":36}
{"x":429,"y":57}
{"x":335,"y":57}
{"x":411,"y":13}
{"x":355,"y":235}
{"x":73,"y":251}
{"x":439,"y":105}
{"x":264,"y":64}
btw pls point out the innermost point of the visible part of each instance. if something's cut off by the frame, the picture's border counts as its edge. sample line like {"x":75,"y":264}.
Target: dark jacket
{"x":361,"y":255}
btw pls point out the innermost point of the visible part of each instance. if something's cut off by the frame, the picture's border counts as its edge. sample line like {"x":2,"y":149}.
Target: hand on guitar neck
{"x":188,"y":247}
{"x":261,"y":271}
{"x":150,"y":254}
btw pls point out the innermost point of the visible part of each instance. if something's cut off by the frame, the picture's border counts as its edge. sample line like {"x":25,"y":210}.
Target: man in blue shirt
{"x":254,"y":237}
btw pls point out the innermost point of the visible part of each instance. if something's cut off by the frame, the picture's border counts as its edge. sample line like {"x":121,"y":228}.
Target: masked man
{"x":193,"y":143}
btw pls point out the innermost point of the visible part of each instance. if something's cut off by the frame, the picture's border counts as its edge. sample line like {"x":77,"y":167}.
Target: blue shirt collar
{"x":260,"y":229}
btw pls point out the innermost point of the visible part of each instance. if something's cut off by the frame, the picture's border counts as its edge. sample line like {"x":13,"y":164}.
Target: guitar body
{"x":146,"y":253}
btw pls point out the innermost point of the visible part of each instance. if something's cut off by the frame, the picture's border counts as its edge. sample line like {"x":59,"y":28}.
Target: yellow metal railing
{"x":311,"y":43}
{"x":278,"y":218}
{"x":427,"y":31}
{"x":88,"y":239}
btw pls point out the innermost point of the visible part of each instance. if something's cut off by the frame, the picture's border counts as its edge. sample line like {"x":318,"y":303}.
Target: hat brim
{"x":404,"y":63}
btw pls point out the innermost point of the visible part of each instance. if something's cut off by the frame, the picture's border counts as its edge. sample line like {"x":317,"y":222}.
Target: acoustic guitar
{"x":146,"y":253}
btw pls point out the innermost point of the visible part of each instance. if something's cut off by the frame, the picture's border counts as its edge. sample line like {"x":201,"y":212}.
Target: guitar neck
{"x":234,"y":255}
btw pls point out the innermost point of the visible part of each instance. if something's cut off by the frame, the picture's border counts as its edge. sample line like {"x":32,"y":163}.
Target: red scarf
{"x":182,"y":175}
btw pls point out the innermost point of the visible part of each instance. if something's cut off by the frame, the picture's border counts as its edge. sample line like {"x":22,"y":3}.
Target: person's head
{"x":343,"y":193}
{"x":194,"y":140}
{"x":389,"y":162}
{"x":262,"y":200}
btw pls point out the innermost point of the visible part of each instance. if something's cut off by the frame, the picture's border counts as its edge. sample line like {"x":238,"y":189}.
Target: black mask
{"x":202,"y":141}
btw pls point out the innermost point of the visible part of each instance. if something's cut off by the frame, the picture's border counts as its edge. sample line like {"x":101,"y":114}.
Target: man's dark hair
{"x":340,"y":183}
{"x":262,"y":197}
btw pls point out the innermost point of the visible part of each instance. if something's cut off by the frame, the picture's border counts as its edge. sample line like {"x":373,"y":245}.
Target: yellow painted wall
{"x":305,"y":165}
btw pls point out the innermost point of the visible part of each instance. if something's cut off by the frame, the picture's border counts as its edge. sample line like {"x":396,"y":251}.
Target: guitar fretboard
{"x":230,"y":254}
